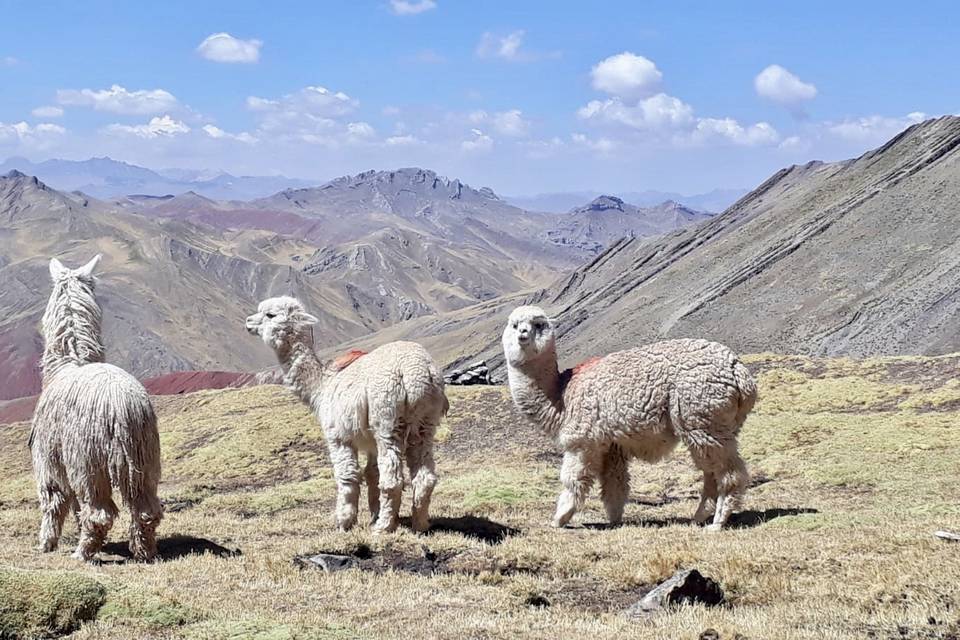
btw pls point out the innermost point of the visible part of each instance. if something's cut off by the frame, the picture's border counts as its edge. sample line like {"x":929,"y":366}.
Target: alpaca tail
{"x":747,"y":387}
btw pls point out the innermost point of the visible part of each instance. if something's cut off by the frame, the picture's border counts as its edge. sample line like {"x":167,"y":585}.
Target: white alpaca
{"x":635,"y":403}
{"x":387,"y":404}
{"x":93,"y":429}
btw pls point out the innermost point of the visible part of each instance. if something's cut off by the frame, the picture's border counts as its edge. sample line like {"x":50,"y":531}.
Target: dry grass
{"x":856,"y":465}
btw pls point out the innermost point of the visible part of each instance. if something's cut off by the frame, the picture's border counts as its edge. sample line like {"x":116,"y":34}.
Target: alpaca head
{"x":71,"y":321}
{"x":528,"y":337}
{"x":279,"y":321}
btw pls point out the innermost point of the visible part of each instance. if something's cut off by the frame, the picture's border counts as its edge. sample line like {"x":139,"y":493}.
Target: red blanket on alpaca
{"x":342,"y":362}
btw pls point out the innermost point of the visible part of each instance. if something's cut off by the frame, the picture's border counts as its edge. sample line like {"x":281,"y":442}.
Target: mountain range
{"x":106,"y":178}
{"x":713,"y":201}
{"x":858,"y":258}
{"x":365,"y":252}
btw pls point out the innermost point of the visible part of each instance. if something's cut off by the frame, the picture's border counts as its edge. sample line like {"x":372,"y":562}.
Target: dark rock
{"x":684,"y":587}
{"x":710,"y":634}
{"x":329,"y":562}
{"x":537,"y":600}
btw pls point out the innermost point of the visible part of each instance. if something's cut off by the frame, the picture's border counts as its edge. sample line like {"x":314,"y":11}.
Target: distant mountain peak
{"x":603,"y":203}
{"x":413,"y":177}
{"x":14,"y":173}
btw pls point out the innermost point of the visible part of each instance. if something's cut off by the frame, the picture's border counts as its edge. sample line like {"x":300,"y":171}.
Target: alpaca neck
{"x":538,"y":393}
{"x":72,"y":335}
{"x":303,"y":373}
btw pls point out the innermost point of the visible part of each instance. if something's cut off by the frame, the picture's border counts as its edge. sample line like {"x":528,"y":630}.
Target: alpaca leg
{"x":55,"y":503}
{"x":732,"y":482}
{"x":708,"y":498}
{"x":391,"y":485}
{"x":96,"y":518}
{"x":146,"y":511}
{"x":423,"y":477}
{"x":614,"y":483}
{"x":346,"y":471}
{"x":576,"y":474}
{"x":371,"y":476}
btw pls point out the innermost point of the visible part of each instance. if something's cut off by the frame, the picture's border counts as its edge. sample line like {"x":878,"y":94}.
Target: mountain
{"x":595,"y":226}
{"x":174,"y":294}
{"x":857,"y":258}
{"x":713,"y":201}
{"x":108,"y":178}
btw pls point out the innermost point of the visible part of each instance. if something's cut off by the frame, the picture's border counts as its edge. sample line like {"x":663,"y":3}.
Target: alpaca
{"x":93,"y":429}
{"x":387,"y":403}
{"x":637,"y":403}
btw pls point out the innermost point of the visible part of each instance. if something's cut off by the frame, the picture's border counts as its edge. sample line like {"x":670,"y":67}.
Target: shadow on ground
{"x":173,"y":547}
{"x":742,"y":520}
{"x":471,"y":527}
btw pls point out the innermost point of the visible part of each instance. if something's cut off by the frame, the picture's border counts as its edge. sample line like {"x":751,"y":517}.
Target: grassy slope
{"x":856,"y":465}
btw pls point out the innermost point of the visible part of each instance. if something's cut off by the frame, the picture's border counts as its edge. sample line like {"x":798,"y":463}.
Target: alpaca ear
{"x":86,"y":270}
{"x":56,"y":268}
{"x":303,"y":317}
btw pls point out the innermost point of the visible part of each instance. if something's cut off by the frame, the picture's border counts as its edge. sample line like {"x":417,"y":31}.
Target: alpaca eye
{"x":515,"y":325}
{"x":271,"y":315}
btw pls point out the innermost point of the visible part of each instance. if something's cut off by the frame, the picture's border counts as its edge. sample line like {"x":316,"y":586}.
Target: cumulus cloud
{"x":402,"y":141}
{"x":360,"y":130}
{"x":313,"y":100}
{"x":47,"y":112}
{"x":626,"y":75}
{"x":33,"y":136}
{"x":873,"y":129}
{"x":508,"y":123}
{"x":158,"y":127}
{"x":411,"y":7}
{"x":657,"y":112}
{"x":117,"y":99}
{"x":601,"y":145}
{"x":728,"y":129}
{"x":782,"y":87}
{"x":479,"y":142}
{"x":223,"y":47}
{"x":219,"y":134}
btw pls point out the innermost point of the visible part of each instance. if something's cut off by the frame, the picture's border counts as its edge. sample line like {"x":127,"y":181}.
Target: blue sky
{"x":523,"y":97}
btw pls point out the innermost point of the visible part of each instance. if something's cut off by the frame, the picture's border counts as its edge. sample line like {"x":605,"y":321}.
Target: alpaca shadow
{"x":174,"y":547}
{"x":471,"y":527}
{"x":741,"y":520}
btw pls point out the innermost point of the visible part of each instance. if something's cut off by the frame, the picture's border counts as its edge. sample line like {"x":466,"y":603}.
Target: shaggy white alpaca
{"x":93,"y":429}
{"x":635,"y":403}
{"x":386,"y":403}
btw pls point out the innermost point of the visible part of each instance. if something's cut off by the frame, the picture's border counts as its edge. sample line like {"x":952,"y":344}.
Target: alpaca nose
{"x":252,"y":323}
{"x":524,"y":335}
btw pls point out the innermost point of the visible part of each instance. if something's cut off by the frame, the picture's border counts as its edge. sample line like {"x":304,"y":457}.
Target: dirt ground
{"x":855,"y":465}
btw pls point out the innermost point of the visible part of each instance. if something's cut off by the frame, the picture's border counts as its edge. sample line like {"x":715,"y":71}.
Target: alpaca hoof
{"x":388,"y":527}
{"x":560,"y":523}
{"x":712,"y":528}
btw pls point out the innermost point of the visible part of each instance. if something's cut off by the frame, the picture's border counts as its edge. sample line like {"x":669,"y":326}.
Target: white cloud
{"x":313,"y":100}
{"x":479,"y":142}
{"x":539,"y":149}
{"x":400,"y":141}
{"x":360,"y":130}
{"x":411,"y":7}
{"x":779,"y":85}
{"x":601,"y":145}
{"x":47,"y":112}
{"x":626,"y":75}
{"x":761,"y":133}
{"x":158,"y":127}
{"x":223,"y":47}
{"x":219,"y":134}
{"x":22,"y":135}
{"x":505,"y":47}
{"x":9,"y":61}
{"x":873,"y":129}
{"x":116,"y":99}
{"x":659,"y":112}
{"x":508,"y":123}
